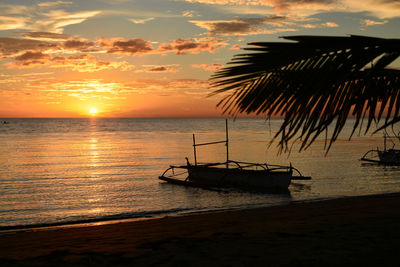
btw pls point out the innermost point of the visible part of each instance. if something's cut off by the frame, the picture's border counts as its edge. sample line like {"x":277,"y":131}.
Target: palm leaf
{"x":314,"y":82}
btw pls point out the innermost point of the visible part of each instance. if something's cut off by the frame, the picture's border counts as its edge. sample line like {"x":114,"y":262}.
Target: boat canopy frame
{"x":226,"y":141}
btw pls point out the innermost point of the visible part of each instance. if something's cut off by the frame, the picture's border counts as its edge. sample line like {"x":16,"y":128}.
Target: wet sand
{"x":349,"y":231}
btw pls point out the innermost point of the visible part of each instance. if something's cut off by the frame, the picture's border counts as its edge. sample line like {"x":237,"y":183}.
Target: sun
{"x":93,"y":111}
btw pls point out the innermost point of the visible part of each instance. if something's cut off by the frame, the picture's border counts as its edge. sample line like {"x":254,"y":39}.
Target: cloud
{"x":141,"y":21}
{"x":80,"y":63}
{"x":194,"y":46}
{"x":83,"y":89}
{"x":11,"y":47}
{"x":31,"y":56}
{"x":41,"y":18}
{"x":15,"y":9}
{"x":179,"y":46}
{"x":382,"y":9}
{"x":235,"y":47}
{"x":64,"y":41}
{"x":166,"y":87}
{"x":189,"y":87}
{"x":15,"y":46}
{"x":80,"y":45}
{"x":56,"y":20}
{"x":330,"y":24}
{"x":156,"y":68}
{"x":208,"y":67}
{"x":244,"y":26}
{"x":378,"y":8}
{"x":369,"y":22}
{"x":89,"y":86}
{"x":29,"y":59}
{"x":307,"y":6}
{"x":46,"y":36}
{"x":11,"y":23}
{"x":18,"y":48}
{"x":72,"y":53}
{"x":227,"y":27}
{"x":189,"y":14}
{"x":116,"y":89}
{"x":320,"y":25}
{"x":279,"y":6}
{"x":54,"y":4}
{"x":175,"y":87}
{"x":134,"y":46}
{"x":260,"y":25}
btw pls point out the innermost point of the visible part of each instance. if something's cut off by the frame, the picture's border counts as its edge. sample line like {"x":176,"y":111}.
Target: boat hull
{"x":240,"y":178}
{"x":389,"y":157}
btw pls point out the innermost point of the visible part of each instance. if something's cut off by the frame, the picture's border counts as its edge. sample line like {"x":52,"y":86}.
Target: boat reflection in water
{"x":232,"y":174}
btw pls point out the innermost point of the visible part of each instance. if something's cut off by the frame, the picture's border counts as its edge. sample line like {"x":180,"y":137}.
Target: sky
{"x":151,"y":58}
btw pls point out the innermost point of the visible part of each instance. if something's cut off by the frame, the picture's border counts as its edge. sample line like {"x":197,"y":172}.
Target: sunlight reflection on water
{"x":61,"y":170}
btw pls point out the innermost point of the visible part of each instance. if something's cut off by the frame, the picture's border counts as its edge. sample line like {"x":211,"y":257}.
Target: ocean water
{"x":62,"y":171}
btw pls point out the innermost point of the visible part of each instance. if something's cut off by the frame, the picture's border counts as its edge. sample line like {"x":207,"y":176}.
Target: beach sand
{"x":358,"y":231}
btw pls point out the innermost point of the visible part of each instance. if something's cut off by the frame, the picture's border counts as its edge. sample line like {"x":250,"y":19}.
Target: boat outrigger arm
{"x":230,"y":173}
{"x":239,"y":165}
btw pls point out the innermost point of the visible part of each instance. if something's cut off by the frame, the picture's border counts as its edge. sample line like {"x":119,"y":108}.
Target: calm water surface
{"x":74,"y":170}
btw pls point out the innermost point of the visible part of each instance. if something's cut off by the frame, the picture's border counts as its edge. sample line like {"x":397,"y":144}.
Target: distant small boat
{"x":232,"y":174}
{"x":386,"y":156}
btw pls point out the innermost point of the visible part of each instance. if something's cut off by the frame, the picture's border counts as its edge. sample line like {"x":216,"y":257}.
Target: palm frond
{"x":314,"y":82}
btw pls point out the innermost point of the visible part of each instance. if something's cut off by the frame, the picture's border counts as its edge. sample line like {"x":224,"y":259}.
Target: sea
{"x":60,"y":172}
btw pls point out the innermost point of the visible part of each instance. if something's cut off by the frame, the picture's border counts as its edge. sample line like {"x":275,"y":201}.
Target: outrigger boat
{"x":232,"y":174}
{"x":386,"y":156}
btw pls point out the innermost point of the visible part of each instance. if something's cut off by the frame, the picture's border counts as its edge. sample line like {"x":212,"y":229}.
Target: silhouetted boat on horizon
{"x":386,"y":156}
{"x":232,"y":174}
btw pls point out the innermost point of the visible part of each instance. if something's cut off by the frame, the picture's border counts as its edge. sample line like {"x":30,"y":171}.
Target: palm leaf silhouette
{"x":314,"y":82}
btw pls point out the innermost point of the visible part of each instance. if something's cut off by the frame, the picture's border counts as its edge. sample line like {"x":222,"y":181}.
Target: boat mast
{"x":227,"y":143}
{"x":194,"y":151}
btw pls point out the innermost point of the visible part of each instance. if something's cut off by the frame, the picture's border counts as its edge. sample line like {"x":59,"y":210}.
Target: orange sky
{"x":151,"y":58}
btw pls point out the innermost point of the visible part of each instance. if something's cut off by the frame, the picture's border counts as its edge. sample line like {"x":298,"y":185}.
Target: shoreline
{"x":112,"y":219}
{"x":348,"y":230}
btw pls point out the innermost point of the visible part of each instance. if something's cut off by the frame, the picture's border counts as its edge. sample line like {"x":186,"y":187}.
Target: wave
{"x":106,"y":218}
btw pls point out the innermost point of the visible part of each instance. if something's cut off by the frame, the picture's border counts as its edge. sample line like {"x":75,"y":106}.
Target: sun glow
{"x":93,"y":111}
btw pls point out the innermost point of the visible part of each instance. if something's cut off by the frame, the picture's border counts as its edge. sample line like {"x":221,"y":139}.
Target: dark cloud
{"x":183,"y":46}
{"x":240,"y":26}
{"x":75,"y":44}
{"x":158,"y":69}
{"x":80,"y":63}
{"x":161,"y":69}
{"x":31,"y":58}
{"x":131,"y":46}
{"x":80,"y":45}
{"x":31,"y":55}
{"x":57,"y":54}
{"x":11,"y":47}
{"x":16,"y":46}
{"x":180,"y":46}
